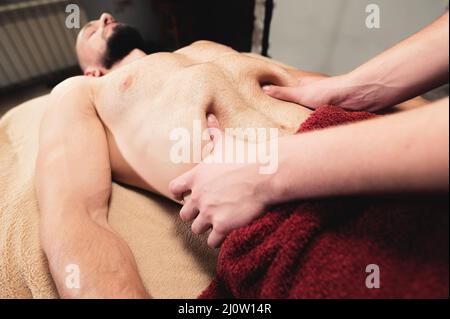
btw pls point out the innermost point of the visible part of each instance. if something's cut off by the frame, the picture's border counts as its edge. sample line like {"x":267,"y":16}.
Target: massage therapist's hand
{"x":316,"y":91}
{"x":412,"y":67}
{"x":223,"y":196}
{"x":349,"y":91}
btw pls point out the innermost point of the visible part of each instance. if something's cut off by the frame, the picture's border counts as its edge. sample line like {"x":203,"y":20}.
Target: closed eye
{"x":89,"y":30}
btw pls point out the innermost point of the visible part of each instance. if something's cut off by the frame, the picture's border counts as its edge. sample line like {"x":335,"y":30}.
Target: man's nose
{"x":106,"y":19}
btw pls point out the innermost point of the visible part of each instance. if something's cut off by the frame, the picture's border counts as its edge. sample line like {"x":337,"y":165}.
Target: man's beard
{"x":122,"y":41}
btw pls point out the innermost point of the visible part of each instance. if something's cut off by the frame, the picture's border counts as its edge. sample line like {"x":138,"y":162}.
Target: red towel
{"x":321,"y":249}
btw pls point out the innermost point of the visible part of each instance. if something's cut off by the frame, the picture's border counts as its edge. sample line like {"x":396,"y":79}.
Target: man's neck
{"x":134,"y":55}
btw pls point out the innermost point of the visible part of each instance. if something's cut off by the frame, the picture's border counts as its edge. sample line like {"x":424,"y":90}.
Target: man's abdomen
{"x":147,"y":124}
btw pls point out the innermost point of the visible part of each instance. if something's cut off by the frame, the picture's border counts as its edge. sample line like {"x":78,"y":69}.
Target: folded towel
{"x":322,"y":249}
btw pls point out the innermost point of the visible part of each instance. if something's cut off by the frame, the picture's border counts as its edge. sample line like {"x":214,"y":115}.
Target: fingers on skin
{"x":214,"y":127}
{"x":181,"y":185}
{"x":215,"y":239}
{"x":216,"y":135}
{"x":290,"y":94}
{"x":200,"y":225}
{"x":212,"y":121}
{"x":188,"y":212}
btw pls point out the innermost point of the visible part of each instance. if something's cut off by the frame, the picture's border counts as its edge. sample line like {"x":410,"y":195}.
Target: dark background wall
{"x":166,"y":25}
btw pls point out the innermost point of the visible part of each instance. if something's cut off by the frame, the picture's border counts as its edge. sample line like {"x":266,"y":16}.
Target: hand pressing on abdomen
{"x":218,"y":195}
{"x":317,"y":91}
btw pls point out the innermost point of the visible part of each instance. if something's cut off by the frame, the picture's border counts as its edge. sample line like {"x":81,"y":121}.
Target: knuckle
{"x":208,"y":211}
{"x":183,"y":215}
{"x":204,"y":203}
{"x":212,"y":244}
{"x":205,"y":212}
{"x":194,"y":229}
{"x":195,"y":198}
{"x":173,"y":187}
{"x":221,"y":228}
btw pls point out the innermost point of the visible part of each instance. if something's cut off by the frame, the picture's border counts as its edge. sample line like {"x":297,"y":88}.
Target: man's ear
{"x":94,"y":72}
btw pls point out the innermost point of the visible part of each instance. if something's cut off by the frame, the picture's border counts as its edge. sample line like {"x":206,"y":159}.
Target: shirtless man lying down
{"x":115,"y":123}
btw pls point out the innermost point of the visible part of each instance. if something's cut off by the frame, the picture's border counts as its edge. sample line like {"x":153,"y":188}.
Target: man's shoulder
{"x":76,"y":84}
{"x":73,"y":95}
{"x":206,"y":44}
{"x":204,"y":51}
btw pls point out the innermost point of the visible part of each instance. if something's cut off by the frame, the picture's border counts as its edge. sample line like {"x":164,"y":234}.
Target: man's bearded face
{"x":122,"y":41}
{"x":104,"y":42}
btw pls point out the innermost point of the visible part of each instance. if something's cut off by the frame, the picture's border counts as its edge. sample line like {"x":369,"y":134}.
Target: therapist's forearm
{"x":413,"y":67}
{"x":407,"y":152}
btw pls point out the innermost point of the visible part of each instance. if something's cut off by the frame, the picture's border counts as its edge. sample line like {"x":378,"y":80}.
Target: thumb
{"x":289,"y":94}
{"x":212,"y":121}
{"x":214,"y":129}
{"x":216,"y":136}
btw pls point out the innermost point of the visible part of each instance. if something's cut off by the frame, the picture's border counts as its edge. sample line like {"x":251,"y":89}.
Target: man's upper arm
{"x":73,"y":167}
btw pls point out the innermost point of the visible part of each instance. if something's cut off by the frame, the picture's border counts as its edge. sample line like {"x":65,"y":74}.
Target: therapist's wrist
{"x":277,"y":186}
{"x":367,"y":92}
{"x":361,"y":93}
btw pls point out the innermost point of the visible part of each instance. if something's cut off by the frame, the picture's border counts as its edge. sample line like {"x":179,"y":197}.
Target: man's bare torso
{"x":141,"y":103}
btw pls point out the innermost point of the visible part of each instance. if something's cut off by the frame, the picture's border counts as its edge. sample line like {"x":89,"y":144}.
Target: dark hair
{"x":122,"y":41}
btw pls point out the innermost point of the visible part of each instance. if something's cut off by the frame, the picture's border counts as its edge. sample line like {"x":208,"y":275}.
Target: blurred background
{"x":37,"y":49}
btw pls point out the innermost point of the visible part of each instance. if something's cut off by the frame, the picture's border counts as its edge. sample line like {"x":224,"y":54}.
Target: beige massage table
{"x":172,"y":262}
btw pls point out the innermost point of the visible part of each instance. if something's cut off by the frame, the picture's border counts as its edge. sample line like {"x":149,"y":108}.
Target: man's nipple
{"x":127,"y":83}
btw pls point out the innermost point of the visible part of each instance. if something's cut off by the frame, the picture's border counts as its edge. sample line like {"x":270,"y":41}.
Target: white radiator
{"x":34,"y":40}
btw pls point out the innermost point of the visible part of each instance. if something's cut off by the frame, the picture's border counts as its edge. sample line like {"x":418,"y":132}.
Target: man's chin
{"x":122,"y":40}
